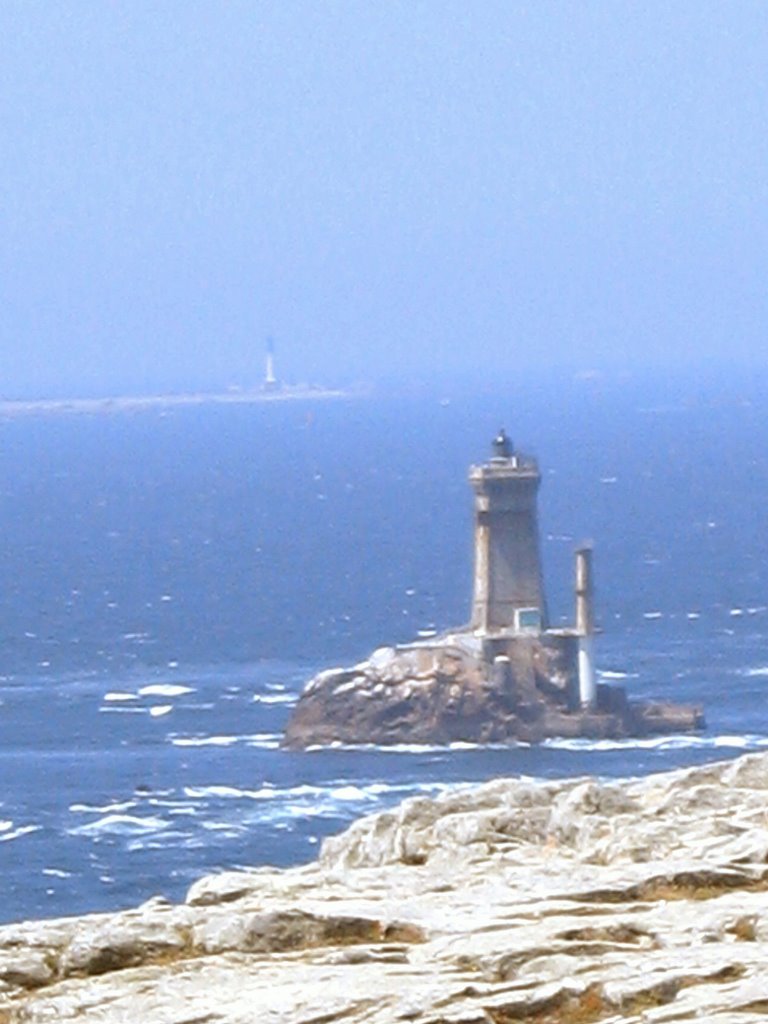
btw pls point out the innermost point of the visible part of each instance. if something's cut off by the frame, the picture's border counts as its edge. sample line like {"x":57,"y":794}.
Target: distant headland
{"x":140,"y":403}
{"x":271,"y":389}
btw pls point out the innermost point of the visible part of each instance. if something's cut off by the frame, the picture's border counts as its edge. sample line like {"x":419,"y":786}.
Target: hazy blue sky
{"x":386,"y":186}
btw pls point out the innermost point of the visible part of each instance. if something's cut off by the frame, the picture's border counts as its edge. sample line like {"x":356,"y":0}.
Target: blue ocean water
{"x":170,"y":580}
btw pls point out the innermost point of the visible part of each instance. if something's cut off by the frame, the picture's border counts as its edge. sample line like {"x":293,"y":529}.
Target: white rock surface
{"x":573,"y":902}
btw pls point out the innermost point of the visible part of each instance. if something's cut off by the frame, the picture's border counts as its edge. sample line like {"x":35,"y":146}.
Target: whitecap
{"x":608,"y":673}
{"x":160,"y":709}
{"x":266,"y":792}
{"x":756,"y":672}
{"x":117,"y":695}
{"x":23,"y":830}
{"x":275,"y":698}
{"x":672,"y":742}
{"x":57,"y":873}
{"x":735,"y":612}
{"x":348,"y":793}
{"x":198,"y":792}
{"x":205,"y":741}
{"x":164,"y":690}
{"x":264,"y":744}
{"x":652,"y":615}
{"x":110,"y":808}
{"x":121,"y":824}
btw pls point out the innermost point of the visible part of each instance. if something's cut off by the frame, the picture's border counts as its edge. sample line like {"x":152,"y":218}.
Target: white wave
{"x":414,"y":748}
{"x":674,"y":742}
{"x":57,"y":873}
{"x":202,"y":792}
{"x":165,"y":690}
{"x":693,"y":615}
{"x":117,"y":695}
{"x":111,"y":808}
{"x":121,"y":825}
{"x":161,"y":709}
{"x":264,"y":744}
{"x":205,"y":741}
{"x":275,"y":698}
{"x":23,"y":830}
{"x":652,"y":615}
{"x":266,"y":792}
{"x":735,"y":612}
{"x":262,"y":740}
{"x":608,"y":673}
{"x":394,"y":748}
{"x":743,"y":742}
{"x":5,"y":825}
{"x":349,"y":793}
{"x":757,"y":671}
{"x":275,"y":686}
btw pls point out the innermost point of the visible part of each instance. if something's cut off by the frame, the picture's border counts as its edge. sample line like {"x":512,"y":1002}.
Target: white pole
{"x":585,"y":628}
{"x":587,"y":682}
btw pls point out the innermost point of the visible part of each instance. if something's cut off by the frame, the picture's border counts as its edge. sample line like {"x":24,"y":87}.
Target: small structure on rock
{"x":506,"y":676}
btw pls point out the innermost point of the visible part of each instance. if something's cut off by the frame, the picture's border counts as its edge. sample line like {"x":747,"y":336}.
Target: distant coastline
{"x":140,"y":403}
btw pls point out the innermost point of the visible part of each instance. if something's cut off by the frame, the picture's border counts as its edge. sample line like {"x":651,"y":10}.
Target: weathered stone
{"x":27,"y":968}
{"x":551,"y":903}
{"x":113,"y":945}
{"x":280,"y":931}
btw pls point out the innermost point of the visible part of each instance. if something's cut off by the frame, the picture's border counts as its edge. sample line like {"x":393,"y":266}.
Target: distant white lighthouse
{"x":270,"y":380}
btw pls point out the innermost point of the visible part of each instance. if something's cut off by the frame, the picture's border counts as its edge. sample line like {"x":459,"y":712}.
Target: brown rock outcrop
{"x":461,"y":689}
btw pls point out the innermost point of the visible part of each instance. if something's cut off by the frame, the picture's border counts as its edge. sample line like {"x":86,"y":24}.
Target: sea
{"x":172,"y":577}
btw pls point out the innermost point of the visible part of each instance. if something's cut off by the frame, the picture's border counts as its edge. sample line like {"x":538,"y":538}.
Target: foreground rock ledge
{"x":574,"y":902}
{"x":462,"y":688}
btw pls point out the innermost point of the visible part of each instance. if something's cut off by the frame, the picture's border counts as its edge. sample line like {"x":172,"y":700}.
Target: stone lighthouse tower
{"x":508,"y":593}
